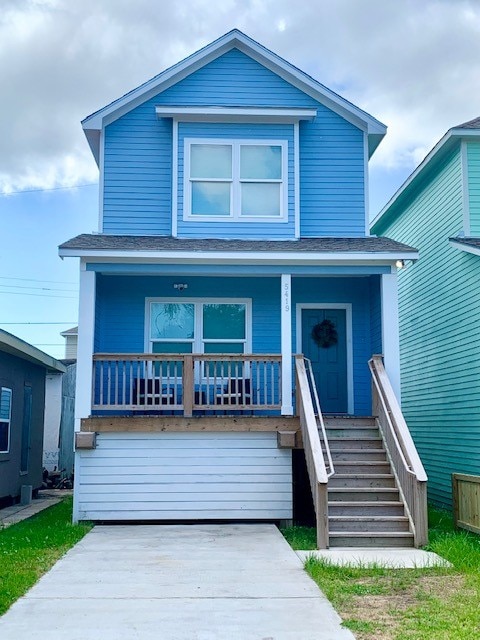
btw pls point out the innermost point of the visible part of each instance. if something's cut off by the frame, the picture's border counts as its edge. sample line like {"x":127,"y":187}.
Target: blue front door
{"x":324,"y":343}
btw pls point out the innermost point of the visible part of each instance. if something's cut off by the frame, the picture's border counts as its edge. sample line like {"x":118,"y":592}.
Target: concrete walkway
{"x":18,"y":512}
{"x":173,"y":582}
{"x":367,"y":557}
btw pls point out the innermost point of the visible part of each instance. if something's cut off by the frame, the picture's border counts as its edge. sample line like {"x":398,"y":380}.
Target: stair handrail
{"x":319,"y":416}
{"x":403,"y":455}
{"x":317,"y":471}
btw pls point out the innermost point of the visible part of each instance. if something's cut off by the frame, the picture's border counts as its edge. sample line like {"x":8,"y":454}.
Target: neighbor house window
{"x":26,"y":427}
{"x":5,"y":418}
{"x":237,"y":180}
{"x":198,"y":326}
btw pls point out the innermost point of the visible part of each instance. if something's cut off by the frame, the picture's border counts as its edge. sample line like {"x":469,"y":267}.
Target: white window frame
{"x":198,"y":341}
{"x":235,"y":194}
{"x":9,"y":421}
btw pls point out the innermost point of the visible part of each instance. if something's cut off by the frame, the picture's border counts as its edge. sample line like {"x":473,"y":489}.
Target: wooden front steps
{"x":365,"y":508}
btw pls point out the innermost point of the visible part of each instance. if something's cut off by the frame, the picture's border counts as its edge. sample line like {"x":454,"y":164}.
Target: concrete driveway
{"x":175,"y":582}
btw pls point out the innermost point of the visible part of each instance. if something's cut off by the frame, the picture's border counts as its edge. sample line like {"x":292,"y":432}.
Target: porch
{"x":186,"y":384}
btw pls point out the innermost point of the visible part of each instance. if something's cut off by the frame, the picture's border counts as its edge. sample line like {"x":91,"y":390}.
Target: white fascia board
{"x":243,"y":257}
{"x":235,"y":39}
{"x":465,"y":134}
{"x":465,"y":247}
{"x":235,"y":114}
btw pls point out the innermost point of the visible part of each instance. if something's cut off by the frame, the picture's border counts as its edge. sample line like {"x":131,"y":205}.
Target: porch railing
{"x":401,"y":450}
{"x":157,"y":383}
{"x":314,"y":456}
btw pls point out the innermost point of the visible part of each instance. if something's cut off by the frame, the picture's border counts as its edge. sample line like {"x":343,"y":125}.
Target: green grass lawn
{"x":406,"y":604}
{"x":28,"y":549}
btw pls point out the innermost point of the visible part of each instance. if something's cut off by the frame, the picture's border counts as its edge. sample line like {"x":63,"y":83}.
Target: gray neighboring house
{"x":59,"y":395}
{"x":23,"y":372}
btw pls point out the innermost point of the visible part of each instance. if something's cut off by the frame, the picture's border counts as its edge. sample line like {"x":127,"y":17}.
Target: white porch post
{"x":286,"y":332}
{"x":390,"y":330}
{"x":86,"y":325}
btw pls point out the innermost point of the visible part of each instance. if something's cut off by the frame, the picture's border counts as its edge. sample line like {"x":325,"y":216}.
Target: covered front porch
{"x":194,"y":343}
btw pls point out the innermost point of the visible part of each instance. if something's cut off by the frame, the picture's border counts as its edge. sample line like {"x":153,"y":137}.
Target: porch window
{"x":235,"y":180}
{"x":198,"y":327}
{"x":5,"y":418}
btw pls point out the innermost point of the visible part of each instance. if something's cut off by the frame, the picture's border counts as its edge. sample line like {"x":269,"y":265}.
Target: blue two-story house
{"x":233,"y":236}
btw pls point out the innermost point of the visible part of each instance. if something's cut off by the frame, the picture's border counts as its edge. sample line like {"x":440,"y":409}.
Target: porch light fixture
{"x":179,"y":286}
{"x":400,"y":264}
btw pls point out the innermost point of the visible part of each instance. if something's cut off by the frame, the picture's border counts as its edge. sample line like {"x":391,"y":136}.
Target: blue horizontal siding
{"x":120,"y":313}
{"x":219,"y":229}
{"x":138,"y":157}
{"x":332,"y":180}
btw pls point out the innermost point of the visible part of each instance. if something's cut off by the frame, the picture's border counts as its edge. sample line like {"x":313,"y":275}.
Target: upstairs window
{"x":238,"y":180}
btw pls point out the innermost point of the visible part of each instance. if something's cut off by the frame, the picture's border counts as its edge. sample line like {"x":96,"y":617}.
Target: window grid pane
{"x":210,"y":161}
{"x":211,"y":198}
{"x":260,"y":199}
{"x":172,"y":320}
{"x":259,"y":162}
{"x":224,"y":321}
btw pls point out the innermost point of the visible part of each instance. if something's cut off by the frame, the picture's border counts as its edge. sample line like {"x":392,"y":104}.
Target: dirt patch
{"x":385,"y":612}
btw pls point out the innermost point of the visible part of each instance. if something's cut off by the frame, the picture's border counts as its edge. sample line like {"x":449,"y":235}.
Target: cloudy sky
{"x":415,"y":65}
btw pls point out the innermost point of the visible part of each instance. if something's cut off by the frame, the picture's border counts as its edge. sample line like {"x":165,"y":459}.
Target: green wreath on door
{"x":324,"y":334}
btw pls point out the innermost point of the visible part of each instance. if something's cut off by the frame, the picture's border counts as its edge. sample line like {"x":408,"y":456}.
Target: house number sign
{"x":286,"y":296}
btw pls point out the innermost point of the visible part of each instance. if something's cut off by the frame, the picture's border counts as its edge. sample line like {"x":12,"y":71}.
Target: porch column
{"x":286,"y":328}
{"x":390,"y":330}
{"x":86,"y":325}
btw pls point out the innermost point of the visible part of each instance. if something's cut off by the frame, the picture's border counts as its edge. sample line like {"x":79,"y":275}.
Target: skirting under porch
{"x":184,"y":476}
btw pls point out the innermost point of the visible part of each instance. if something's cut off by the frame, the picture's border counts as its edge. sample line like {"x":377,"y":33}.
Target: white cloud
{"x":414,"y":65}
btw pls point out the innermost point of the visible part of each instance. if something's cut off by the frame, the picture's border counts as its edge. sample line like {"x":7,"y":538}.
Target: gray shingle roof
{"x":471,"y":124}
{"x":106,"y":242}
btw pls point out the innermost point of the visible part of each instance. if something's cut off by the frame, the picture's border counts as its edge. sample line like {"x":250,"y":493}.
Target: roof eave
{"x":224,"y":257}
{"x":17,"y":347}
{"x":462,"y":246}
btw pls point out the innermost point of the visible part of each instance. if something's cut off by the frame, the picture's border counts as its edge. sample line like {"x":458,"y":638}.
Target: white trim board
{"x":235,"y":114}
{"x":347,"y":306}
{"x":246,"y":257}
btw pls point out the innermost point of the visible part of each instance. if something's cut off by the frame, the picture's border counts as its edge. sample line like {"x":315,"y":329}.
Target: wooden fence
{"x":466,"y":501}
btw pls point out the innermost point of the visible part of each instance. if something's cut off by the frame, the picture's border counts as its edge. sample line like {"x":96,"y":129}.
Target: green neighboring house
{"x":437,"y":210}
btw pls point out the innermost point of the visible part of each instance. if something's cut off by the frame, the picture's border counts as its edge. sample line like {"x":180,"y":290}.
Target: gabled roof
{"x":467,"y":130}
{"x":93,"y":124}
{"x":17,"y":347}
